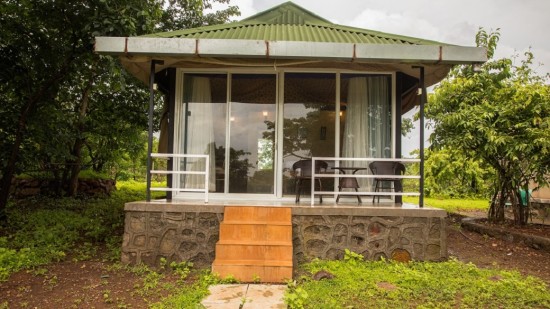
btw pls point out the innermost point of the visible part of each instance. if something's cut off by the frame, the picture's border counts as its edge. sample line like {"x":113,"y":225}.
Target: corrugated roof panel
{"x":289,"y":22}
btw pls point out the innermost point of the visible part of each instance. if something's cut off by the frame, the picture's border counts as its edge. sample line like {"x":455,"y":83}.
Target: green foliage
{"x":352,"y":257}
{"x":295,"y":296}
{"x":450,"y":174}
{"x":498,"y":117}
{"x":451,"y":205}
{"x":190,"y":295}
{"x":406,"y":126}
{"x":384,"y":284}
{"x":65,"y":108}
{"x":41,"y":230}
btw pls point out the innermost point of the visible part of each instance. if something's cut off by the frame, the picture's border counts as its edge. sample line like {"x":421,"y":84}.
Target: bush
{"x":41,"y":230}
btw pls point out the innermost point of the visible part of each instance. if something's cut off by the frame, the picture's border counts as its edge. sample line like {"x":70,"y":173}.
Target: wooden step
{"x":230,"y":231}
{"x":255,"y":244}
{"x":246,"y":262}
{"x":251,"y":273}
{"x":254,"y":252}
{"x":258,"y":213}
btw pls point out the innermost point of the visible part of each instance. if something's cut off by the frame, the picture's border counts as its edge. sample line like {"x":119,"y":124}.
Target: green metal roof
{"x":290,"y":22}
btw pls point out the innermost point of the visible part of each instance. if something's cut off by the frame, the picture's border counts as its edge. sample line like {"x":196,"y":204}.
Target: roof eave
{"x":225,"y":48}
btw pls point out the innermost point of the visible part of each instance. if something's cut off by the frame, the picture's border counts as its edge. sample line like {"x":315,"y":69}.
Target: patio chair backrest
{"x":387,"y":168}
{"x":305,"y":167}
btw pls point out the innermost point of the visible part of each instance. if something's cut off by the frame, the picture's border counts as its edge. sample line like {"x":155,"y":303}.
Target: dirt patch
{"x":486,"y":251}
{"x":97,"y":284}
{"x":88,"y":284}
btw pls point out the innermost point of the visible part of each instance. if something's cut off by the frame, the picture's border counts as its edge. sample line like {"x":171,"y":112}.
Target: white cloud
{"x":396,"y":23}
{"x":245,"y":6}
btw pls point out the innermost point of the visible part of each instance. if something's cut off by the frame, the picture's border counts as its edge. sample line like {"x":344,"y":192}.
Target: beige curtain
{"x":199,"y":138}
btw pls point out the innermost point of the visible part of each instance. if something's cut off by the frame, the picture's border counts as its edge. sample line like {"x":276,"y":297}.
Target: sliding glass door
{"x":252,"y":133}
{"x":234,"y":118}
{"x":309,"y":121}
{"x":202,"y":118}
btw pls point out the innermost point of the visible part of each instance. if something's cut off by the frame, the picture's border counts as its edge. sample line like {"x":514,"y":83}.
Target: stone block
{"x":433,"y":253}
{"x":316,"y":247}
{"x":317,"y":231}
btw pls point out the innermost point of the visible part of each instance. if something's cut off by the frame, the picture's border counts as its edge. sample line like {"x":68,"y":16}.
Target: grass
{"x":44,"y":230}
{"x":452,"y":205}
{"x":387,"y":284}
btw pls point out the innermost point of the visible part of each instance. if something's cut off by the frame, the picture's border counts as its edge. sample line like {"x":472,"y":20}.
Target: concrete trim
{"x":182,"y":47}
{"x":171,"y":207}
{"x":298,"y":210}
{"x":372,"y":211}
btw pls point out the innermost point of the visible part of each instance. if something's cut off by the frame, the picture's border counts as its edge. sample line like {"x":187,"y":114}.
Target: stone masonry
{"x":189,"y":233}
{"x":400,"y":238}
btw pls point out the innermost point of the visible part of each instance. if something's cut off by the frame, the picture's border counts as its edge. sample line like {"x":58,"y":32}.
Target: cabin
{"x":282,"y":136}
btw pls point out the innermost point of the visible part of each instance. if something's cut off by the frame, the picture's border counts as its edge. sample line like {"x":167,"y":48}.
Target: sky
{"x":523,"y":24}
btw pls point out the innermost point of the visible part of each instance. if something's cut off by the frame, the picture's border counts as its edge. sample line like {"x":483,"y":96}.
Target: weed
{"x":107,"y":297}
{"x":85,"y":252}
{"x":295,"y":296}
{"x":181,"y":269}
{"x":190,"y":295}
{"x":40,"y":271}
{"x":352,"y":257}
{"x":151,"y":280}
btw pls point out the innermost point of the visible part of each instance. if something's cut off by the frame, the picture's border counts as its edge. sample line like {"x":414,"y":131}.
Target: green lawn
{"x":452,"y":205}
{"x":386,"y":284}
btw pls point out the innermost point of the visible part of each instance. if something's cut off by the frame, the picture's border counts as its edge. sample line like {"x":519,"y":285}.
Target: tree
{"x":449,"y":173}
{"x":50,"y":77}
{"x":501,"y":117}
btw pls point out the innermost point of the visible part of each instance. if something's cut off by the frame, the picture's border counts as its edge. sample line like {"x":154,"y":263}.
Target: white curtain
{"x":367,"y":131}
{"x":199,"y":138}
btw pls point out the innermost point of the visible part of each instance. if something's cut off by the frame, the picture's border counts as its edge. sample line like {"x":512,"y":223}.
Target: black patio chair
{"x":302,"y":172}
{"x":387,"y":168}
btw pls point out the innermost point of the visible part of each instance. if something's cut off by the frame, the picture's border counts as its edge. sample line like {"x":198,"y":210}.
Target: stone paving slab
{"x":245,"y":296}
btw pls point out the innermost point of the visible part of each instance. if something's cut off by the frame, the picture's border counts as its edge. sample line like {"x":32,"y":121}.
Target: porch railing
{"x":337,"y":175}
{"x":205,"y":172}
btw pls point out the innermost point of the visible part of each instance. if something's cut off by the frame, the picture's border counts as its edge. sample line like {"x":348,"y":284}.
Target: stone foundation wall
{"x":190,"y":232}
{"x":398,"y":238}
{"x":189,"y":235}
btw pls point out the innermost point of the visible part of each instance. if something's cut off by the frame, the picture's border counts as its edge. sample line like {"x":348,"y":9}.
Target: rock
{"x":322,"y":274}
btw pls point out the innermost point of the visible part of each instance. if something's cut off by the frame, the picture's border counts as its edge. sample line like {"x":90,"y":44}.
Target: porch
{"x":190,"y":230}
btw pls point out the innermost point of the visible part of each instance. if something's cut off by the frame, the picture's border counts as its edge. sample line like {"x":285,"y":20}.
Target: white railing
{"x":358,"y":193}
{"x":206,"y":173}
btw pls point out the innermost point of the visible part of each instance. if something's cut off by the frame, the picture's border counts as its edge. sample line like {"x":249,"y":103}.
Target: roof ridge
{"x":285,"y":12}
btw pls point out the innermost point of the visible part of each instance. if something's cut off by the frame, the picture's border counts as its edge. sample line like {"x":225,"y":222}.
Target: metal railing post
{"x":150,"y":136}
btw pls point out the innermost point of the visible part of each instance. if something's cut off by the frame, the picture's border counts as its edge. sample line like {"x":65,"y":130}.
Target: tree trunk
{"x":76,"y":163}
{"x":496,"y":210}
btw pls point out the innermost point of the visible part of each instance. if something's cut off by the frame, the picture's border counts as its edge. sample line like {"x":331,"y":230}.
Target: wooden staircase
{"x":255,"y":244}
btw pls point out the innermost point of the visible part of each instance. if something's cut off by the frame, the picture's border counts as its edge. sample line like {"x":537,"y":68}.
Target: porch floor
{"x":346,"y":206}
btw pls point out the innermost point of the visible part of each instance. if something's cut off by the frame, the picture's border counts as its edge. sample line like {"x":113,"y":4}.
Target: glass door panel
{"x":202,"y":128}
{"x":366,"y":121}
{"x":309,"y":121}
{"x":252,"y":133}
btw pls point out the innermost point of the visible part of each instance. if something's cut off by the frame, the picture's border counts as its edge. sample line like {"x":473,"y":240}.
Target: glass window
{"x":202,"y":120}
{"x":252,"y":139}
{"x":309,"y":121}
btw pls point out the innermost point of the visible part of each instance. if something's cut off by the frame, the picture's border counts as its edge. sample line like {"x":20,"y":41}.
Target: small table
{"x":349,"y":182}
